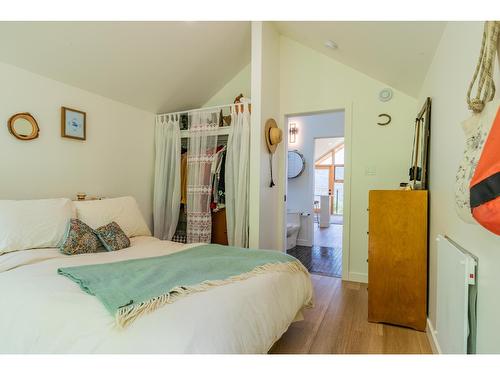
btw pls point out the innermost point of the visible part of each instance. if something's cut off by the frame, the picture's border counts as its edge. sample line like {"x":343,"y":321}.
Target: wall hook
{"x":388,"y":119}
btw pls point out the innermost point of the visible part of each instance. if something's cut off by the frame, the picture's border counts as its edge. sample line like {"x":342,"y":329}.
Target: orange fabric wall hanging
{"x":485,"y":183}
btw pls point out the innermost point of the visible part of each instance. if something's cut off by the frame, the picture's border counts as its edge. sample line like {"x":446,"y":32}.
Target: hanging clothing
{"x":167,"y":183}
{"x":184,"y":178}
{"x":180,"y":233}
{"x":202,"y":144}
{"x":218,"y":183}
{"x":237,"y":170}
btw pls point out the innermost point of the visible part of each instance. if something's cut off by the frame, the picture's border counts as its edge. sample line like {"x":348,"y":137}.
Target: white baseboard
{"x":302,"y":242}
{"x":358,"y":277}
{"x":431,"y":336}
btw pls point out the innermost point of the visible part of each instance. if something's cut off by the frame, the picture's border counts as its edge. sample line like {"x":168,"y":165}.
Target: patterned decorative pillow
{"x":112,"y":237}
{"x":79,"y":239}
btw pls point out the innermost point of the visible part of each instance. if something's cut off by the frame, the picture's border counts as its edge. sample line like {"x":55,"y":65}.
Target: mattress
{"x":43,"y":312}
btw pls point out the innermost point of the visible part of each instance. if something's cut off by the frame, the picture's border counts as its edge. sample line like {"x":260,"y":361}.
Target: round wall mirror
{"x":23,"y":126}
{"x":296,"y":164}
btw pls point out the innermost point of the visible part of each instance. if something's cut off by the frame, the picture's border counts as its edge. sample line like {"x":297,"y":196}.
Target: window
{"x":339,"y":155}
{"x":321,"y":181}
{"x":339,"y":173}
{"x":329,"y":178}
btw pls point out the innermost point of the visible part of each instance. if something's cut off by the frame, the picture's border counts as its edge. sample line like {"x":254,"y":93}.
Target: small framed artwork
{"x":73,"y":124}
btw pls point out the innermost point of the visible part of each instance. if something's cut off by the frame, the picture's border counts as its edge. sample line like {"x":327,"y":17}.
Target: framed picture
{"x":73,"y":124}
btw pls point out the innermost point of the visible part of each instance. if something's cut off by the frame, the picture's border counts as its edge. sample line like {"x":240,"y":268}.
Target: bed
{"x":43,"y":312}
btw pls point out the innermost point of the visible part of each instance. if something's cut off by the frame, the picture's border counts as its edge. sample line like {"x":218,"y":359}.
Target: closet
{"x":217,"y":182}
{"x":202,"y":159}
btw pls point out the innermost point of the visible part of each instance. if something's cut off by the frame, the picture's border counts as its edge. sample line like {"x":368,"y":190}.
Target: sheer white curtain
{"x":237,"y":178}
{"x":167,"y":186}
{"x":202,"y":146}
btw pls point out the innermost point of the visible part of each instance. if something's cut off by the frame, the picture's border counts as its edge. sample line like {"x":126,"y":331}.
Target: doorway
{"x":315,"y":198}
{"x":328,"y":201}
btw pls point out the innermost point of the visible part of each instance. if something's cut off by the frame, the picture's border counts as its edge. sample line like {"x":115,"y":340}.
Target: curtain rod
{"x":203,"y":109}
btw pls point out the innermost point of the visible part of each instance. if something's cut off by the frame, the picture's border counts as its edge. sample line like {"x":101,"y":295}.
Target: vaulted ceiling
{"x":156,"y":66}
{"x":168,"y":66}
{"x":396,"y":53}
{"x":323,"y":145}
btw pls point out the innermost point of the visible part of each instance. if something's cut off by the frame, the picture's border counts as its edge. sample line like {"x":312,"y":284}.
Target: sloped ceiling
{"x":170,"y":66}
{"x":323,"y":145}
{"x":155,"y":66}
{"x":396,"y":53}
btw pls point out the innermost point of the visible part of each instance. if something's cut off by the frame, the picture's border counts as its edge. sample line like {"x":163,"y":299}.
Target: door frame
{"x":283,"y":180}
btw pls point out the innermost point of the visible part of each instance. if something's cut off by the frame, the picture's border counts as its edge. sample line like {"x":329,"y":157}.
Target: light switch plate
{"x":370,"y":170}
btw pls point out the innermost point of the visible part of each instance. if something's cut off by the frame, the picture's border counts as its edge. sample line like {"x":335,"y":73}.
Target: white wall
{"x":301,"y":189}
{"x":239,"y":84}
{"x":313,"y":82}
{"x":446,"y":83}
{"x":265,"y":230}
{"x":116,"y":159}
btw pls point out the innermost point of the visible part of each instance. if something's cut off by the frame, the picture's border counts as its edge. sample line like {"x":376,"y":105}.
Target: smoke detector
{"x":331,"y":44}
{"x":385,"y":95}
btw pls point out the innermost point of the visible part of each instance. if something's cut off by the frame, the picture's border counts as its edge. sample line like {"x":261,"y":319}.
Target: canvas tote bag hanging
{"x":475,"y":181}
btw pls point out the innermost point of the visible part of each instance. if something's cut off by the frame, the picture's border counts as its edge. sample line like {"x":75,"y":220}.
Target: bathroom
{"x":315,"y":195}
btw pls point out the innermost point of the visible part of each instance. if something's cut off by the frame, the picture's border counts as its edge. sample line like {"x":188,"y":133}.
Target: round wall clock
{"x":296,"y":164}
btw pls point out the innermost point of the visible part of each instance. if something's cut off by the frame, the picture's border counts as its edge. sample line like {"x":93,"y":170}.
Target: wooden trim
{"x":332,"y":152}
{"x":335,"y":149}
{"x":63,"y":123}
{"x":331,"y":181}
{"x":324,"y":156}
{"x":35,"y":130}
{"x":431,"y":337}
{"x":331,"y":178}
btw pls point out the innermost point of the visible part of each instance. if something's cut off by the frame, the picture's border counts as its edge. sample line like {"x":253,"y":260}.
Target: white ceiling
{"x":323,"y":145}
{"x":396,"y":53}
{"x":169,"y":66}
{"x":156,"y":66}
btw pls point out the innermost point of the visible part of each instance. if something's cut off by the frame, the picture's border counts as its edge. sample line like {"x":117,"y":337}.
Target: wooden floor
{"x":338,"y":324}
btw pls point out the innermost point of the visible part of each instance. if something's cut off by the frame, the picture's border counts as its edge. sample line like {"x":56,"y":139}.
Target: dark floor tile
{"x":320,"y":260}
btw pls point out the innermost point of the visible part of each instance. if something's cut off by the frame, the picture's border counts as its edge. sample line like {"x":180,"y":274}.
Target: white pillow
{"x":123,"y":210}
{"x":31,"y":224}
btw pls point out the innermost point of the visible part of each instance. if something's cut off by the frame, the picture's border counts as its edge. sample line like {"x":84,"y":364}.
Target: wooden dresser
{"x":397,"y":257}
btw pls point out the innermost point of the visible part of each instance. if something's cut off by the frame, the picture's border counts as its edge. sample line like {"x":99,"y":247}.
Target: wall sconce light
{"x":293,"y":130}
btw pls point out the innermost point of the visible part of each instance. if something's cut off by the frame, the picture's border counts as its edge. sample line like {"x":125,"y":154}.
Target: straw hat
{"x":273,"y":135}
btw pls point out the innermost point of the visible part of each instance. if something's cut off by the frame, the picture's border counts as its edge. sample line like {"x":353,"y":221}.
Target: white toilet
{"x":292,"y":229}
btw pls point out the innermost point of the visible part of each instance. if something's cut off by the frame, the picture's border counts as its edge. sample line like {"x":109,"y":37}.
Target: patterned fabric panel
{"x":112,"y":237}
{"x":79,"y":239}
{"x":179,"y":237}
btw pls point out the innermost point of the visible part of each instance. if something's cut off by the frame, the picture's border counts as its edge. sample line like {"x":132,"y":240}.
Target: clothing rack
{"x":199,"y":109}
{"x":221,"y":131}
{"x":236,"y":105}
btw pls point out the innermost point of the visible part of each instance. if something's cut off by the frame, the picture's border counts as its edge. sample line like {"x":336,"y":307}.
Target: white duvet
{"x":43,"y":312}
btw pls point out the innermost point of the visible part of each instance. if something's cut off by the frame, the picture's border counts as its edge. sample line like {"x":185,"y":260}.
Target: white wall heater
{"x":455,"y":330}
